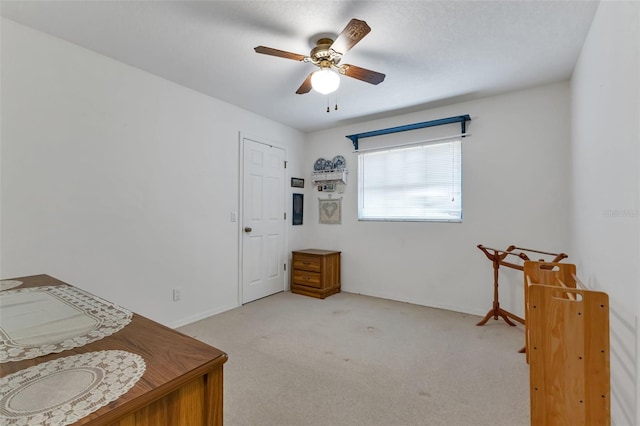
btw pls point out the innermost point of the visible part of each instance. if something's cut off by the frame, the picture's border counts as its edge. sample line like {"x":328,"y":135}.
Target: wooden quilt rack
{"x":497,"y":258}
{"x":567,"y":347}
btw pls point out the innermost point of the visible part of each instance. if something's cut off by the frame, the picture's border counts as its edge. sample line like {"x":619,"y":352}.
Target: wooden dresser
{"x":315,"y":273}
{"x":182,"y":384}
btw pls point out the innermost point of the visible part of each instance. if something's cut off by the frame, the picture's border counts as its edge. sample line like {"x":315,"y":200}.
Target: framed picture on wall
{"x":330,"y":211}
{"x":297,"y":182}
{"x":329,"y":187}
{"x":298,"y":208}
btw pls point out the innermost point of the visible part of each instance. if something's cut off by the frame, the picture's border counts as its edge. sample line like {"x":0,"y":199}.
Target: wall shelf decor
{"x":333,"y":175}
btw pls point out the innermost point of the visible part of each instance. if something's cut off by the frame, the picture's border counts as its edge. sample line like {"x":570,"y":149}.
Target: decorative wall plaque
{"x":330,"y":211}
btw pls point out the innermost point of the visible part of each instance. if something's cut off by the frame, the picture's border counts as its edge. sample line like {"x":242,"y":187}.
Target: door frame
{"x":242,"y":136}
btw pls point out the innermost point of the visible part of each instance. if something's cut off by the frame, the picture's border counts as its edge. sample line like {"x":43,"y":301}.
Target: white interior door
{"x":263,"y":220}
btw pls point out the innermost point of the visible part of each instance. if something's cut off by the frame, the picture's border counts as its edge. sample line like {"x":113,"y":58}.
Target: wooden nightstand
{"x":315,"y":273}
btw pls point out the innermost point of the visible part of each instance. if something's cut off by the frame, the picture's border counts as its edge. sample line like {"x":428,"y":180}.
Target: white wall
{"x":605,"y":112}
{"x":515,"y":191}
{"x":120,"y":182}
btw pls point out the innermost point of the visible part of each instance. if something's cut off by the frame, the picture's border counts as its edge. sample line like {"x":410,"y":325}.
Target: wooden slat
{"x":569,"y":361}
{"x":546,"y":273}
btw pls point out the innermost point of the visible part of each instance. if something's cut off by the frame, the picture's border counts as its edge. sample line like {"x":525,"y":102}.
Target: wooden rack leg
{"x":497,"y":311}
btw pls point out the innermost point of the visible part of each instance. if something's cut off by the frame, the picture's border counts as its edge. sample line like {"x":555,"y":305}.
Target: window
{"x":416,"y":183}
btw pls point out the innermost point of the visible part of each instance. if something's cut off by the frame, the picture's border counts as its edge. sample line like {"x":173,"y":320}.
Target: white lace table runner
{"x":63,"y":391}
{"x":9,"y":284}
{"x":37,"y":321}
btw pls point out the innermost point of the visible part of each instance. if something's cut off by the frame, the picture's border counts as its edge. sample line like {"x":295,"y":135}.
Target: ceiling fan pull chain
{"x":329,"y":102}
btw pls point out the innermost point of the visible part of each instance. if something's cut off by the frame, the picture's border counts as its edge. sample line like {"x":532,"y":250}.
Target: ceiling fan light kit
{"x":325,"y":81}
{"x":327,"y":55}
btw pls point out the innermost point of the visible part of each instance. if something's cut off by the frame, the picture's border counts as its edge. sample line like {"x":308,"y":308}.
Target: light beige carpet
{"x":358,"y":360}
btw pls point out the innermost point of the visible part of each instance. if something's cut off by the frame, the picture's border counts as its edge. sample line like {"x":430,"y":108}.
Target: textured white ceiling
{"x":433,"y":52}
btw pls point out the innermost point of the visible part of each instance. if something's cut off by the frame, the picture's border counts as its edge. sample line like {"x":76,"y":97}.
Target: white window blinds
{"x":417,"y":183}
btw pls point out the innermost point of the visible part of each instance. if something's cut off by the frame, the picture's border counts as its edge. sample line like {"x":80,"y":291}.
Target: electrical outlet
{"x":177,"y":294}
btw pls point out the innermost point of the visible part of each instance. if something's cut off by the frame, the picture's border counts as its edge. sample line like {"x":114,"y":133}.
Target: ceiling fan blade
{"x":351,"y":35}
{"x":305,"y":87}
{"x":363,"y":74}
{"x":279,"y":53}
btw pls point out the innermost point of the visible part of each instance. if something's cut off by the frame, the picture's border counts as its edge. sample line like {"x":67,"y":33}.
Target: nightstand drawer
{"x":315,"y":272}
{"x":311,"y":279}
{"x":308,"y":263}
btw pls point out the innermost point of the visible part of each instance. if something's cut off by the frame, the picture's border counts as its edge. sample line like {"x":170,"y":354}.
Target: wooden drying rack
{"x":567,"y":334}
{"x":497,"y":257}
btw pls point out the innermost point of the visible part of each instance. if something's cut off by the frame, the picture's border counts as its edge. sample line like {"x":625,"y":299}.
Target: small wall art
{"x":330,"y":211}
{"x":298,"y":208}
{"x":329,"y":187}
{"x":297,"y":182}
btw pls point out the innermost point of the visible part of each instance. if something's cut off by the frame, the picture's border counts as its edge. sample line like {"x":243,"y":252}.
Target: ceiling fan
{"x":327,"y":55}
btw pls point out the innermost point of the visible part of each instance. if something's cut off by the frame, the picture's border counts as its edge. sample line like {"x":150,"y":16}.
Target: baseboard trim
{"x":202,"y":315}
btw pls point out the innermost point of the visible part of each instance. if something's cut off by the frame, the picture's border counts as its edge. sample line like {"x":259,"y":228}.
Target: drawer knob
{"x":247,"y":229}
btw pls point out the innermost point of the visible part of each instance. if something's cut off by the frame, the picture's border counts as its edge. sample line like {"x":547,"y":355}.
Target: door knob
{"x":247,"y":229}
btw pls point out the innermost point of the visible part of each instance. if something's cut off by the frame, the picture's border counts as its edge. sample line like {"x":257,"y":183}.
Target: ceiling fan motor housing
{"x":323,"y":56}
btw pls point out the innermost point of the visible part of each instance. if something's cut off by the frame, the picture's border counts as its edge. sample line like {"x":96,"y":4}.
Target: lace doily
{"x":63,"y":391}
{"x":38,"y":321}
{"x":9,"y":284}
